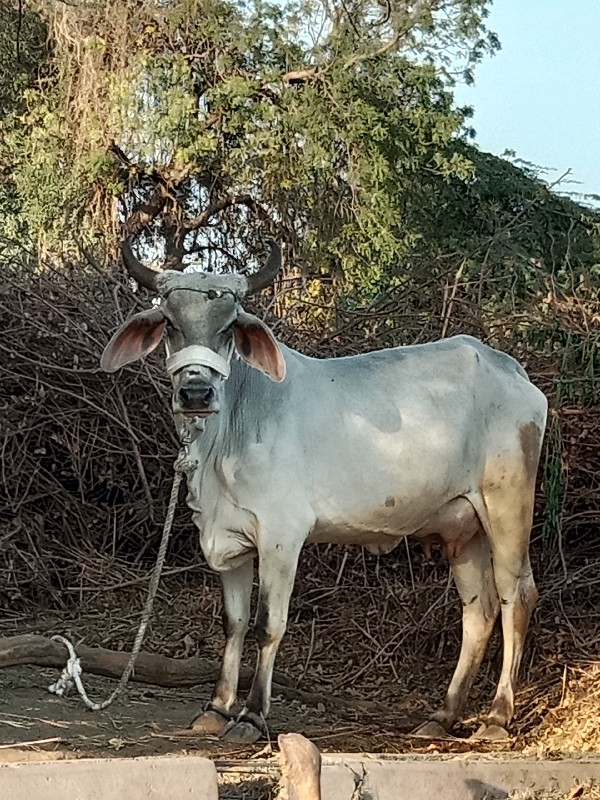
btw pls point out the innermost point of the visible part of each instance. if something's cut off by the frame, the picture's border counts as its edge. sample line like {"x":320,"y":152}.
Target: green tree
{"x":23,"y":62}
{"x":212,"y":122}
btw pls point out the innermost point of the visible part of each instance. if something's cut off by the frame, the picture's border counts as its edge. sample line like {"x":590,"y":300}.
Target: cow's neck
{"x":246,"y":403}
{"x":249,"y":400}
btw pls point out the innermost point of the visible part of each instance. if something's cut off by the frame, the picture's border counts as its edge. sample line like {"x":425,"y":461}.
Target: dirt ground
{"x":368,"y":656}
{"x":148,"y":721}
{"x":35,"y":724}
{"x":151,"y":720}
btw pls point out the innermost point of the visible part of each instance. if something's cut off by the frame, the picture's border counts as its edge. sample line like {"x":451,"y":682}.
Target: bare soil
{"x":35,"y":724}
{"x":367,"y":657}
{"x":149,"y":721}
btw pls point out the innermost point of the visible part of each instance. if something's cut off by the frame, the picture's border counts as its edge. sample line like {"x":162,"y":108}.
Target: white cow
{"x":440,"y":441}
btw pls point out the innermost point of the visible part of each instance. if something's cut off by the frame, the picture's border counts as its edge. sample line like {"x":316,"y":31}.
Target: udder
{"x":450,"y":528}
{"x":384,"y":547}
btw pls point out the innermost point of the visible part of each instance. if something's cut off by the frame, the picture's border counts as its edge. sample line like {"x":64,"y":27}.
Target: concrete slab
{"x":494,"y":779}
{"x":165,"y":778}
{"x":343,"y":777}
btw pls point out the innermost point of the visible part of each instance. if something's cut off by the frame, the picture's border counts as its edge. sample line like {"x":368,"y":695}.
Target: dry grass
{"x":578,"y":792}
{"x":574,"y":725}
{"x":236,"y":787}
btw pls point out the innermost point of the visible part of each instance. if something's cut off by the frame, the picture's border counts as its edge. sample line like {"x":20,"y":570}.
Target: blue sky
{"x":540,"y":95}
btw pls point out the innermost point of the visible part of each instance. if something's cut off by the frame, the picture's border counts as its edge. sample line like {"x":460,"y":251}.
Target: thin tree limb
{"x":203,"y":218}
{"x":397,"y":37}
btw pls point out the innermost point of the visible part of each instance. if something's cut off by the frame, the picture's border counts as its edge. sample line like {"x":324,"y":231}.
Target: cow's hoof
{"x":432,"y":730}
{"x":491,"y":733}
{"x":242,"y":733}
{"x":210,"y":723}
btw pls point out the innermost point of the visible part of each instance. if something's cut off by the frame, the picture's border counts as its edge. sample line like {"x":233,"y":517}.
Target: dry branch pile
{"x":85,"y":458}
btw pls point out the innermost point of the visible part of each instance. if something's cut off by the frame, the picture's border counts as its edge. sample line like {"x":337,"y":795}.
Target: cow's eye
{"x":214,"y":294}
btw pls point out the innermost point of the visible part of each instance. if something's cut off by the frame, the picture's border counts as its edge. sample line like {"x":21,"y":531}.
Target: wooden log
{"x":41,"y":651}
{"x":149,"y":667}
{"x":300,"y":768}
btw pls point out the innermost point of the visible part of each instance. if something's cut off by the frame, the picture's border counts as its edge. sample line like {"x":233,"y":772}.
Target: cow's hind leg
{"x":474,"y":578}
{"x":277,"y":572}
{"x":237,"y":593}
{"x":510,"y":520}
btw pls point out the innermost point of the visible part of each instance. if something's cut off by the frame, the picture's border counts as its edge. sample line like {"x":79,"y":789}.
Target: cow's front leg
{"x":237,"y":593}
{"x":277,"y":571}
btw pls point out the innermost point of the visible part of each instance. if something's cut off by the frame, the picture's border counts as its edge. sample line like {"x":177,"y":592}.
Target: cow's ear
{"x":256,"y":344}
{"x":137,"y":337}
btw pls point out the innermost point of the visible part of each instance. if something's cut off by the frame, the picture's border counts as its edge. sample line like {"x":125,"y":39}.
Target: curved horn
{"x":138,"y":271}
{"x":267,"y":273}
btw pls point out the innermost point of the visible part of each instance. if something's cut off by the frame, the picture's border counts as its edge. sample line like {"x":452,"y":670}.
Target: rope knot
{"x":184,"y":464}
{"x":71,"y":673}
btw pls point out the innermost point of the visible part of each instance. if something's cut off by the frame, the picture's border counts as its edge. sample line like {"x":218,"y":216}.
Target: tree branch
{"x":203,"y":218}
{"x":146,"y":212}
{"x":304,"y":75}
{"x":300,"y":75}
{"x":159,"y":670}
{"x":397,"y":37}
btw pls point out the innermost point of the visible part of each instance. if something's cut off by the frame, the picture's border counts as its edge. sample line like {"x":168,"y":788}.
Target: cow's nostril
{"x":207,"y":395}
{"x":194,"y":396}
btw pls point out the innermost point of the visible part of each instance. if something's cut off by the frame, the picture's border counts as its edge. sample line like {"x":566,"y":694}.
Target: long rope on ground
{"x":72,"y":672}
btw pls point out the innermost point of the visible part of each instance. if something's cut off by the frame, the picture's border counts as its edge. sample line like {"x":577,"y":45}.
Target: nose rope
{"x":197,"y":355}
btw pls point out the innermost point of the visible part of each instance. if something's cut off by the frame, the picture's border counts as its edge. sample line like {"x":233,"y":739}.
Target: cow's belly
{"x":451,"y":525}
{"x":330,"y":532}
{"x":368,"y":526}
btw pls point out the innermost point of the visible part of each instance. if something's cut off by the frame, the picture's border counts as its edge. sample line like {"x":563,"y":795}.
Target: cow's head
{"x":202,"y":321}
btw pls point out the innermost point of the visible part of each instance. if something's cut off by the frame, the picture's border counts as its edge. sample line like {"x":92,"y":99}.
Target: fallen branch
{"x":39,"y":651}
{"x":33,"y":743}
{"x":150,"y":668}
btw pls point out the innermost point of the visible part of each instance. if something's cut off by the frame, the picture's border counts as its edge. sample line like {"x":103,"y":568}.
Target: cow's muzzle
{"x":197,"y":398}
